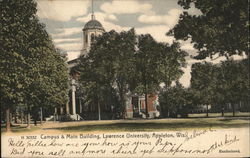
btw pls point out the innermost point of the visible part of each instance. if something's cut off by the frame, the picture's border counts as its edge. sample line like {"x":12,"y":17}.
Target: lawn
{"x":157,"y":125}
{"x":137,"y":125}
{"x":18,"y":128}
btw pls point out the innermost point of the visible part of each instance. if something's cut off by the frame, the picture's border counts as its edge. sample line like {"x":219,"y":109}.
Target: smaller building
{"x":136,"y":107}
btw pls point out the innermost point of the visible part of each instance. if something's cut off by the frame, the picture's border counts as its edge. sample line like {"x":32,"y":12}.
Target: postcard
{"x":124,"y":78}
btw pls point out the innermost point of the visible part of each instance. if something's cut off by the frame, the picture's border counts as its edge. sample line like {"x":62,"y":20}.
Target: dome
{"x":93,"y":24}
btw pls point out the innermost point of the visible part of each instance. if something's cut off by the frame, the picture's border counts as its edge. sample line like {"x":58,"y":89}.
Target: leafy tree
{"x":222,"y":27}
{"x":157,"y":63}
{"x":235,"y":82}
{"x":108,"y":68}
{"x":97,"y":71}
{"x":119,"y":63}
{"x":46,"y":70}
{"x":146,"y":66}
{"x":125,"y":64}
{"x":32,"y":71}
{"x":176,"y":100}
{"x":13,"y":43}
{"x":170,"y":61}
{"x":220,"y":84}
{"x":203,"y":83}
{"x":208,"y":83}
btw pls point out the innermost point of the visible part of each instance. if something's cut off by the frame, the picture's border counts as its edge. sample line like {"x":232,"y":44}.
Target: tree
{"x":157,"y":63}
{"x":235,"y":83}
{"x":204,"y":82}
{"x":32,"y":71}
{"x":13,"y":42}
{"x":123,"y":62}
{"x":222,"y":27}
{"x":220,"y":84}
{"x":108,"y":68}
{"x":46,"y":71}
{"x":146,"y":65}
{"x":170,"y":61}
{"x":176,"y":100}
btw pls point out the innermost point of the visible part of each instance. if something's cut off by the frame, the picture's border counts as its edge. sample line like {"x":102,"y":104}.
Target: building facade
{"x":136,"y":106}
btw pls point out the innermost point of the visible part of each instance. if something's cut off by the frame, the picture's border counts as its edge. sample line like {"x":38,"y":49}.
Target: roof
{"x":93,"y":24}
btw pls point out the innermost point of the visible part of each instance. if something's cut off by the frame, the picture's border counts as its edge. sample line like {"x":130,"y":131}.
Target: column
{"x":73,"y":97}
{"x":67,"y":107}
{"x":61,"y":110}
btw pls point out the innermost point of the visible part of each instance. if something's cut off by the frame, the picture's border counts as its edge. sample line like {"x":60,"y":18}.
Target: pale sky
{"x":65,"y":19}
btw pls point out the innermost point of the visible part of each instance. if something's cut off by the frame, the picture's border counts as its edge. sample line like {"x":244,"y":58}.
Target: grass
{"x":19,"y":128}
{"x":153,"y":125}
{"x":135,"y":125}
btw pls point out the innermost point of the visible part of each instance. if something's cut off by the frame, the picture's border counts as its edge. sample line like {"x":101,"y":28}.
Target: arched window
{"x":86,"y":38}
{"x":92,"y":37}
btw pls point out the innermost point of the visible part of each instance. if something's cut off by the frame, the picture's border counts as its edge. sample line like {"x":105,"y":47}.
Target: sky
{"x":65,"y":19}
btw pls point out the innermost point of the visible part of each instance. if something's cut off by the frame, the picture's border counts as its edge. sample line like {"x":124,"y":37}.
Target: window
{"x":92,"y":37}
{"x":86,"y":38}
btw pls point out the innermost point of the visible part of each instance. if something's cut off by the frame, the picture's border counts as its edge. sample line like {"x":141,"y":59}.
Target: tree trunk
{"x":7,"y":119}
{"x":41,"y":115}
{"x":207,"y":110}
{"x":146,"y":104}
{"x":28,"y":118}
{"x":166,"y":96}
{"x":122,"y":97}
{"x":55,"y":114}
{"x":11,"y":119}
{"x":21,"y":117}
{"x":240,"y":106}
{"x":25,"y":118}
{"x":35,"y":122}
{"x":233,"y":107}
{"x":123,"y":109}
{"x":99,"y":110}
{"x":15,"y":117}
{"x":222,"y":111}
{"x":122,"y":102}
